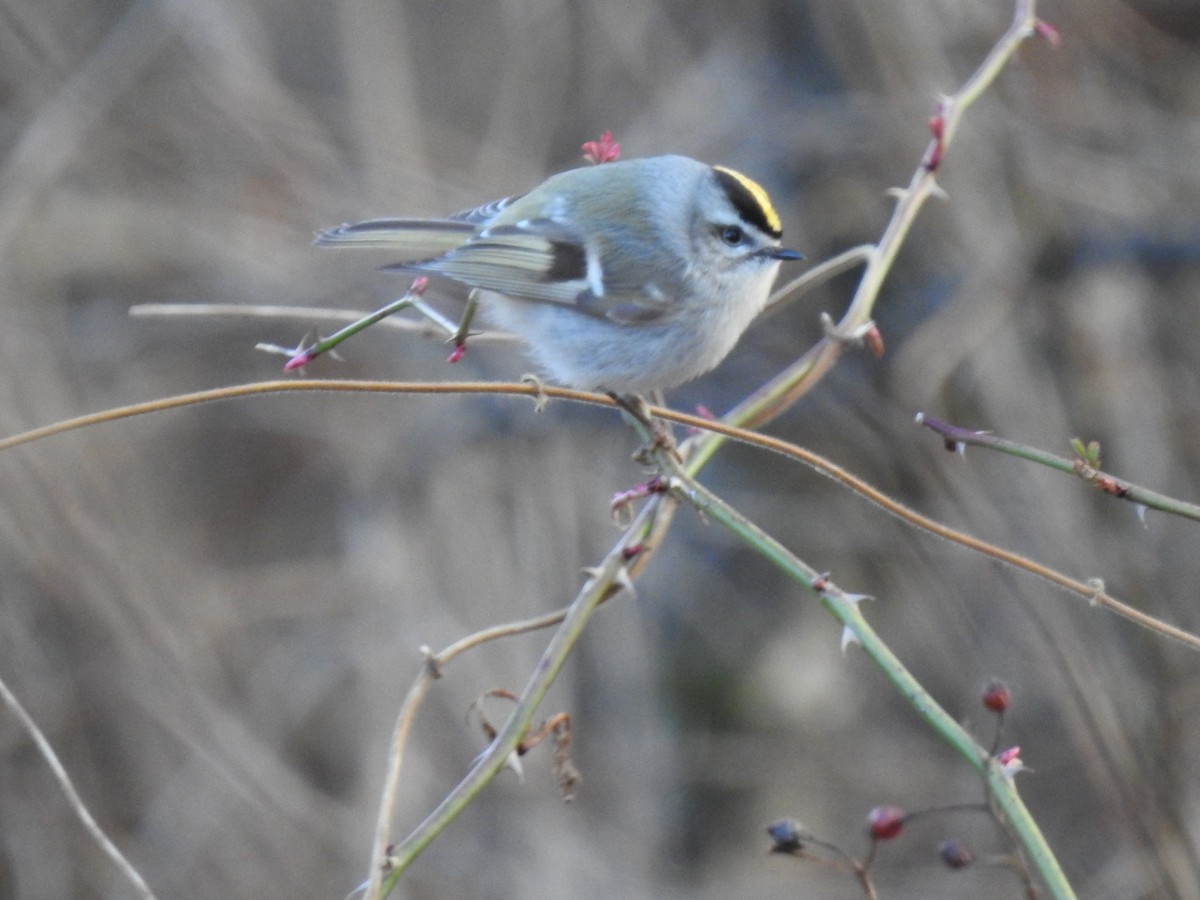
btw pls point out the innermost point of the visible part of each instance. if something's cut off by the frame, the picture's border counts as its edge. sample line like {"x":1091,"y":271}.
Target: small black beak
{"x":780,"y":253}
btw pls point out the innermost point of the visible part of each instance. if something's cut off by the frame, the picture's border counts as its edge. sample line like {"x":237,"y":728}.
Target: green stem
{"x":604,"y":580}
{"x":1079,"y":467}
{"x":788,"y":386}
{"x":324,"y":345}
{"x":845,"y":608}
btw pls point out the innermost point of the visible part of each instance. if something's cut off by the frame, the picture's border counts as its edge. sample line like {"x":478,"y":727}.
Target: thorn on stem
{"x":540,"y":397}
{"x":433,"y":665}
{"x":624,"y":582}
{"x":856,"y":335}
{"x":849,"y":639}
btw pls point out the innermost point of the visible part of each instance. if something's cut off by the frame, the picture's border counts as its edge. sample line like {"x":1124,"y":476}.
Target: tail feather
{"x":410,"y":239}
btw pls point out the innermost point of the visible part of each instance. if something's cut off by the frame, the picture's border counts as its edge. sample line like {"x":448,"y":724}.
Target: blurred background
{"x":215,"y":612}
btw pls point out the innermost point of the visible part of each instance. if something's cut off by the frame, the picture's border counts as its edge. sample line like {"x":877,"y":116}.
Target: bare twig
{"x":433,"y":325}
{"x":73,"y":799}
{"x":782,"y":391}
{"x":844,"y":607}
{"x":430,"y":672}
{"x":606,"y":579}
{"x":1091,"y":590}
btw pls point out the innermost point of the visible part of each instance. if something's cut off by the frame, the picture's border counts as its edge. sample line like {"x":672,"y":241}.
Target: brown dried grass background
{"x":214,"y":612}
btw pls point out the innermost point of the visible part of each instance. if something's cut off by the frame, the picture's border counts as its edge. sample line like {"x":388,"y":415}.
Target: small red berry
{"x":885,"y":822}
{"x":996,"y":696}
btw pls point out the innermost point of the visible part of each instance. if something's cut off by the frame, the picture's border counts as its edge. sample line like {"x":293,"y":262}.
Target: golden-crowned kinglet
{"x":629,"y":276}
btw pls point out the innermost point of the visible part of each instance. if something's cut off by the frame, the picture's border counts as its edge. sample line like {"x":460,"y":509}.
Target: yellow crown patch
{"x":750,"y":200}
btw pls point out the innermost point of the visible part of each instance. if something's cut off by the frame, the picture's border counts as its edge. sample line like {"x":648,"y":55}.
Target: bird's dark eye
{"x":733,"y":235}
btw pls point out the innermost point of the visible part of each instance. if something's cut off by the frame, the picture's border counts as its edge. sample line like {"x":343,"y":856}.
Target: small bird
{"x":628,"y":277}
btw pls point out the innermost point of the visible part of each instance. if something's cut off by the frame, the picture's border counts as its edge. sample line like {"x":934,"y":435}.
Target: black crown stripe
{"x":750,"y":200}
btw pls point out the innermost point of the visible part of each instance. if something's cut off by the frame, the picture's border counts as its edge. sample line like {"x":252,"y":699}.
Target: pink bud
{"x":1048,"y":33}
{"x":937,"y":128}
{"x":1006,"y":757}
{"x":303,"y":358}
{"x":1010,"y":762}
{"x":874,"y":341}
{"x":601,"y":151}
